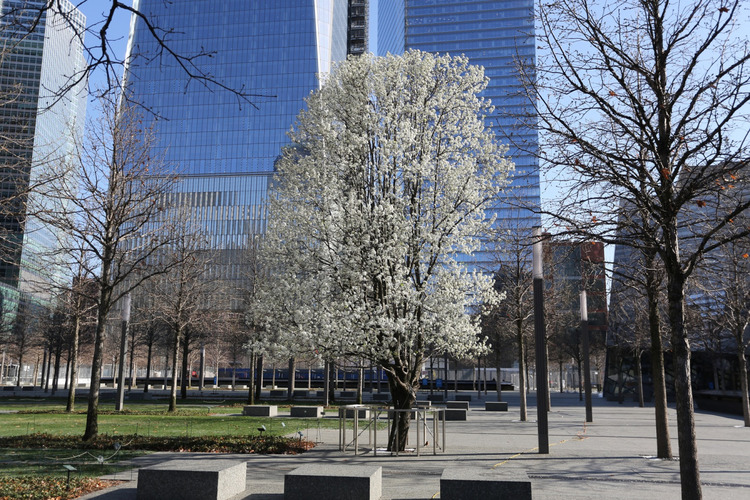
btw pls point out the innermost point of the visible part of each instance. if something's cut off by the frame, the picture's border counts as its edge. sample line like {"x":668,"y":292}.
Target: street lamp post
{"x":125,"y":311}
{"x":541,"y":339}
{"x":586,"y":356}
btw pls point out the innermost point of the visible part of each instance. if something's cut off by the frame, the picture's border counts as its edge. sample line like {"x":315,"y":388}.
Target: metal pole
{"x":586,"y":356}
{"x":540,"y":338}
{"x":125,"y":311}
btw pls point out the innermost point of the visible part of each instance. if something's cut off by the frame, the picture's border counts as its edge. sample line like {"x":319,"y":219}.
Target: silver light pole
{"x":125,"y":312}
{"x":586,"y":356}
{"x":541,"y":340}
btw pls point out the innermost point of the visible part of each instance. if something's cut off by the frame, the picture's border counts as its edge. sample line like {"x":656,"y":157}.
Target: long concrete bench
{"x":353,"y":482}
{"x":277,"y":393}
{"x":496,"y":406}
{"x":260,"y":410}
{"x":463,"y":397}
{"x":381,"y":396}
{"x":464,"y":405}
{"x":463,"y":483}
{"x":306,"y":411}
{"x":435,"y":398}
{"x":300,"y":393}
{"x":212,"y":479}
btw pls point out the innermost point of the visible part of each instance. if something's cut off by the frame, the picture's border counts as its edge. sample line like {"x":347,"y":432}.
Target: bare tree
{"x":727,"y":305}
{"x":112,"y":218}
{"x":646,"y":100}
{"x":100,"y":38}
{"x":514,"y":313}
{"x":184,"y":293}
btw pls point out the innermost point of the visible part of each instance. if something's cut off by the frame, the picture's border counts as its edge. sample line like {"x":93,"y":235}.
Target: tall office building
{"x":222,"y":146}
{"x":225,"y":148}
{"x":41,"y":116}
{"x":493,"y":34}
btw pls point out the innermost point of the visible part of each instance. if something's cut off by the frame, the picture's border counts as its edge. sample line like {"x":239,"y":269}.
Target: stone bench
{"x":362,"y":412}
{"x":423,"y":404}
{"x":435,"y":398}
{"x":464,"y":405}
{"x":454,"y":414}
{"x":348,"y":395}
{"x":352,"y":482}
{"x":381,"y":396}
{"x":299,"y":393}
{"x":260,"y":410}
{"x":212,"y":479}
{"x":277,"y":393}
{"x":496,"y":406}
{"x":463,"y":483}
{"x":306,"y":412}
{"x":463,"y":397}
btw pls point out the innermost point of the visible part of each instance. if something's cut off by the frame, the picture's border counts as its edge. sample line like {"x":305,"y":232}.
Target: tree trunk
{"x":688,"y":451}
{"x":45,"y":368}
{"x":175,"y":357}
{"x":521,"y":370}
{"x":291,"y":378}
{"x":326,"y":383}
{"x":742,"y":362}
{"x":639,"y":378}
{"x":333,"y":373}
{"x":404,"y":395}
{"x":259,"y":377}
{"x":148,"y":365}
{"x":185,"y":371}
{"x":70,"y":406}
{"x":580,"y":380}
{"x":360,"y":383}
{"x":251,"y":382}
{"x":92,"y":412}
{"x":498,"y":379}
{"x":56,"y":376}
{"x":663,"y":445}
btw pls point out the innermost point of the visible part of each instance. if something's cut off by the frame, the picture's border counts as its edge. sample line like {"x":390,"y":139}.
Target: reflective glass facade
{"x":223,"y":146}
{"x":492,"y":34}
{"x":41,"y":54}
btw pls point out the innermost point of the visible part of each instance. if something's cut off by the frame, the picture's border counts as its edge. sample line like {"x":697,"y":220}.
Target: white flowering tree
{"x":384,"y":189}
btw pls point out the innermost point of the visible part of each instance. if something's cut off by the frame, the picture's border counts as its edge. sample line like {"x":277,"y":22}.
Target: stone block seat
{"x":260,"y":410}
{"x":454,"y":414}
{"x":464,"y":405}
{"x":205,"y":479}
{"x":306,"y":411}
{"x":464,"y":483}
{"x":353,"y":482}
{"x":496,"y":406}
{"x":463,"y":397}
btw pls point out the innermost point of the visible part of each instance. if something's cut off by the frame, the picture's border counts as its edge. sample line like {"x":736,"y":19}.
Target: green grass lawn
{"x":148,"y":419}
{"x":38,"y":473}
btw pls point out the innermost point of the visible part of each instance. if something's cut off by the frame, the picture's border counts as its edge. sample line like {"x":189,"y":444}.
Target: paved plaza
{"x":609,"y":458}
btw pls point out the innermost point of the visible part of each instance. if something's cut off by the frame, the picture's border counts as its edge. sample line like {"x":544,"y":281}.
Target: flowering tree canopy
{"x":376,"y":205}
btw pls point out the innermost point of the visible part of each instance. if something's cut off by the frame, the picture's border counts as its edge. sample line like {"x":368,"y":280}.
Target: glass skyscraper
{"x":41,"y":116}
{"x":223,"y":146}
{"x":493,"y":34}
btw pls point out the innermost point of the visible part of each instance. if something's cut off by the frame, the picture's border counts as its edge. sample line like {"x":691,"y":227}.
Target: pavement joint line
{"x":580,"y":435}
